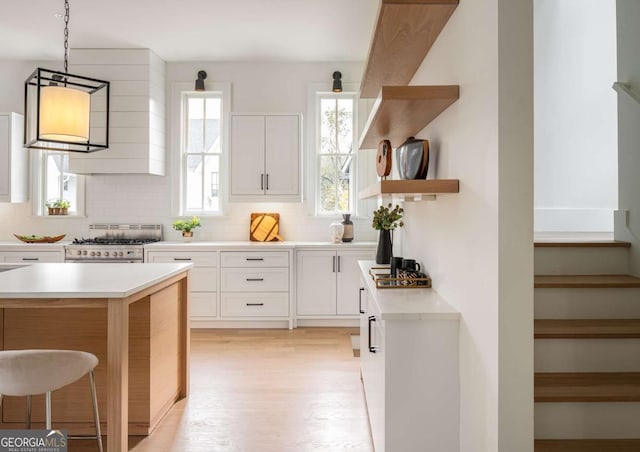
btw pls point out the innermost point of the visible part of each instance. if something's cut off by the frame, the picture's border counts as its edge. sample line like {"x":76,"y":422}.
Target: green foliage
{"x":188,"y":225}
{"x":58,"y":203}
{"x":387,"y":218}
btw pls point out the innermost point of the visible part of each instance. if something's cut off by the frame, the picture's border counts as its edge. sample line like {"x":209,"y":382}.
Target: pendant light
{"x":64,"y":111}
{"x":337,"y":82}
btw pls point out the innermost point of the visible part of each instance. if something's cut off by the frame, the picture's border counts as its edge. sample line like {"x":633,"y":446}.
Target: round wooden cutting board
{"x":383,"y":158}
{"x":265,"y":227}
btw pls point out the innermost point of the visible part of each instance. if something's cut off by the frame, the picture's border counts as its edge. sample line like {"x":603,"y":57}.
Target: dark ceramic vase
{"x":385,"y":247}
{"x":347,"y":235}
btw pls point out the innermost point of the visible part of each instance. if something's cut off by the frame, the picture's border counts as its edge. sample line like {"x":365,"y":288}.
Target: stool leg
{"x":28,"y":421}
{"x":96,"y":417}
{"x":48,"y":409}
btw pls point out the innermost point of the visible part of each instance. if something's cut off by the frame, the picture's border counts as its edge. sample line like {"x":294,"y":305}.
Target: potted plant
{"x":385,"y":220}
{"x":58,"y":207}
{"x":187,"y":227}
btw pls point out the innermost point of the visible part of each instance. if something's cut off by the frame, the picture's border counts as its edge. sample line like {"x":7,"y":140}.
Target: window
{"x":54,"y":182}
{"x":201,"y":152}
{"x":336,"y":141}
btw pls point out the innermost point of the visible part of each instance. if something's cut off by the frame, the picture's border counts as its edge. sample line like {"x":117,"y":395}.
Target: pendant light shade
{"x":64,"y":114}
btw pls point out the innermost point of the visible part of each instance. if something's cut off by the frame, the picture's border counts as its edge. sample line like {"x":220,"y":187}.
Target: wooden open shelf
{"x":404,"y":32}
{"x":403,"y":111}
{"x":416,"y":187}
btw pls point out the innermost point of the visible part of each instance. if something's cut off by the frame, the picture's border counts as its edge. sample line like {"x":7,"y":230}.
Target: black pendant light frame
{"x":46,"y":77}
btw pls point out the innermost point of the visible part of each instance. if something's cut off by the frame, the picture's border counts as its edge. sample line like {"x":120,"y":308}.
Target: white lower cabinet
{"x":255,"y":285}
{"x":410,"y":371}
{"x":33,"y":257}
{"x":327,"y":282}
{"x":203,"y":282}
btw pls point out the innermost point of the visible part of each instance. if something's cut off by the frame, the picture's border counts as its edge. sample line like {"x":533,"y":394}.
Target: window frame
{"x":38,"y":168}
{"x":177,"y":158}
{"x":317,"y":92}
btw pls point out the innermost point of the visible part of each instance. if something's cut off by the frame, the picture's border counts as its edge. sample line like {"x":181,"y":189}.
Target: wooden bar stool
{"x":31,"y":372}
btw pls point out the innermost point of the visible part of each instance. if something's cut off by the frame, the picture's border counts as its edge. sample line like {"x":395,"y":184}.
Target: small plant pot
{"x":64,"y":211}
{"x":55,"y":211}
{"x":187,"y":236}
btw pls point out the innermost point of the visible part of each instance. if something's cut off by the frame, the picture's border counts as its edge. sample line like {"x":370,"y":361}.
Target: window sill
{"x":59,"y":217}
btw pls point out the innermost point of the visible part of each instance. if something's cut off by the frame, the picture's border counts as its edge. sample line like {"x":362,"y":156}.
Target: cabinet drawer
{"x":204,"y":304}
{"x":255,"y":259}
{"x":33,"y":257}
{"x":197,"y":258}
{"x":204,"y":279}
{"x":254,"y":305}
{"x":255,"y":279}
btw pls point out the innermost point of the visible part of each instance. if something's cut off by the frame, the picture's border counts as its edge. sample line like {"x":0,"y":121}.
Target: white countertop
{"x":248,"y":245}
{"x":407,"y":304}
{"x":17,"y":245}
{"x":83,"y":280}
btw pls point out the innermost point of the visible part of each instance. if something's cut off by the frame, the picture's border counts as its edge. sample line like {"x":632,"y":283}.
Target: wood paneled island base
{"x":141,"y":340}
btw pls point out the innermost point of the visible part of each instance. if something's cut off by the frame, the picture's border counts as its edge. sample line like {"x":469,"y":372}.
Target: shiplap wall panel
{"x":137,"y":111}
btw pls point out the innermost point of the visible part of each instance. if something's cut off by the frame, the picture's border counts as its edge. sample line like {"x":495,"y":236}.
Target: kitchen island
{"x":134,"y":318}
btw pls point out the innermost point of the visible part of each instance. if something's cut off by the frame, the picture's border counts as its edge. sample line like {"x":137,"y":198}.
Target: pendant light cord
{"x":66,"y":36}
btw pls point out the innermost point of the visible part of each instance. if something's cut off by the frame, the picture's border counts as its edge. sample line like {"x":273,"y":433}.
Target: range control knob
{"x":84,"y":253}
{"x":98,"y":254}
{"x":106,"y":254}
{"x":92,"y":253}
{"x":79,"y":253}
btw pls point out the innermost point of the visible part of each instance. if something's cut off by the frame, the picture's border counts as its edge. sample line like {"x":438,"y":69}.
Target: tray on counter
{"x":383,"y":280}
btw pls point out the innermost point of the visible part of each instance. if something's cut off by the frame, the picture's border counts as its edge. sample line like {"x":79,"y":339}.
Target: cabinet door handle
{"x":255,"y":304}
{"x":181,"y":258}
{"x":255,"y":258}
{"x":255,"y":279}
{"x":334,"y":264}
{"x":360,"y":300}
{"x":262,"y":181}
{"x":338,"y":264}
{"x":30,"y":258}
{"x":372,"y":349}
{"x":267,"y":181}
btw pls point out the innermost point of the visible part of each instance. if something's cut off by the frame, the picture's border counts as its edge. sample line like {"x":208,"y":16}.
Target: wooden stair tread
{"x":581,"y":244}
{"x":587,"y":387}
{"x":585,"y":281}
{"x":587,"y":445}
{"x":586,"y":328}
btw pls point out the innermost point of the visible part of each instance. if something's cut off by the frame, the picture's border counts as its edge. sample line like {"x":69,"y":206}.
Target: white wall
{"x":256,"y":87}
{"x":576,"y":158}
{"x":477,"y":245}
{"x":628,"y":14}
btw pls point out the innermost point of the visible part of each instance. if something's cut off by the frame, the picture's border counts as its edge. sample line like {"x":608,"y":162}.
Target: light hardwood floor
{"x":265,"y":391}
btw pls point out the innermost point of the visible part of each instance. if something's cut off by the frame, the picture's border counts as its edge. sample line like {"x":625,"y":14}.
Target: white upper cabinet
{"x":14,"y":158}
{"x":265,"y":157}
{"x":137,"y":111}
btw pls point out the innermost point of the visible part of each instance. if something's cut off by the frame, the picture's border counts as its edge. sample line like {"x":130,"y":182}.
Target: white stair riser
{"x":587,"y":355}
{"x":586,"y":420}
{"x":618,"y":303}
{"x":581,"y":261}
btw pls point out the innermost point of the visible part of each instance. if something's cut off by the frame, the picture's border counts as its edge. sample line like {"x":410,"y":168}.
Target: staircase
{"x":587,"y":348}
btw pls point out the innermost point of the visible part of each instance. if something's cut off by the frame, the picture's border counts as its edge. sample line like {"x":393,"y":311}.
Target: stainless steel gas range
{"x":113,"y":243}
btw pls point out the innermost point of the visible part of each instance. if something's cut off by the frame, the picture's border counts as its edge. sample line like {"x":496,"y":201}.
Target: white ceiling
{"x":189,"y":30}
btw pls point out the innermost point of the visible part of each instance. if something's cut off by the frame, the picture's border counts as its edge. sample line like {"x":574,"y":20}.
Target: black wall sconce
{"x":200,"y":80}
{"x":337,"y":82}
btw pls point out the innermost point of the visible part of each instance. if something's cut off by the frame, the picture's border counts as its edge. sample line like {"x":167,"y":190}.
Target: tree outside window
{"x":336,"y":156}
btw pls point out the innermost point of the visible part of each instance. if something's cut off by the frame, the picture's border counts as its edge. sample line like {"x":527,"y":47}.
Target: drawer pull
{"x":360,"y":300}
{"x":255,"y":279}
{"x":372,"y":349}
{"x":181,"y":258}
{"x":255,"y":304}
{"x":30,"y":258}
{"x":255,"y":258}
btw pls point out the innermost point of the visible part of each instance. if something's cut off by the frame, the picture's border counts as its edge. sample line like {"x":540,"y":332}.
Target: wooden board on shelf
{"x":403,"y":111}
{"x":404,"y":32}
{"x":411,"y":187}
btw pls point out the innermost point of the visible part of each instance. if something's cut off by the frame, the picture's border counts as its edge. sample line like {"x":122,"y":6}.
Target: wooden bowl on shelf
{"x":39,"y":239}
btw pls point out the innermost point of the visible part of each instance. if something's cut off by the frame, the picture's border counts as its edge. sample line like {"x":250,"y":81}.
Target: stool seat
{"x":27,"y":372}
{"x":30,"y":372}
